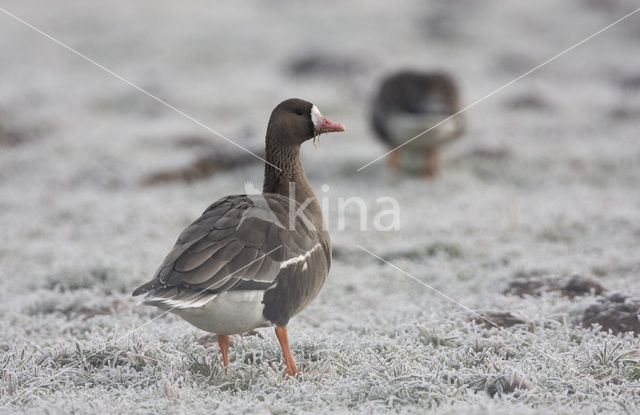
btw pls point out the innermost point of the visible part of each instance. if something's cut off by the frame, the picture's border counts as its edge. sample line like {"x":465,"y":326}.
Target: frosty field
{"x":544,"y":186}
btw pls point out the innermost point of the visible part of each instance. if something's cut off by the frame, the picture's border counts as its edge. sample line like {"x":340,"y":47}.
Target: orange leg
{"x":223,"y":342}
{"x":431,"y":163}
{"x":394,"y":160}
{"x":281,"y":332}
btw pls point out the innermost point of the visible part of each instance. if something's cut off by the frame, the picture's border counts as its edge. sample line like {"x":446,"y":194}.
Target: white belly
{"x":231,"y":312}
{"x":403,"y":128}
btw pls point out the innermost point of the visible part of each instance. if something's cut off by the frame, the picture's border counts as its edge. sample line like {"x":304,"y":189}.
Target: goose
{"x":409,"y":103}
{"x":253,"y":261}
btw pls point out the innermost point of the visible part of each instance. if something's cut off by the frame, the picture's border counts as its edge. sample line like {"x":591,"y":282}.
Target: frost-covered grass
{"x":546,"y":190}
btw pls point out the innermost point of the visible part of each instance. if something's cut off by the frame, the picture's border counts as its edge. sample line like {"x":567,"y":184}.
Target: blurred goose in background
{"x":409,"y":103}
{"x":253,"y":260}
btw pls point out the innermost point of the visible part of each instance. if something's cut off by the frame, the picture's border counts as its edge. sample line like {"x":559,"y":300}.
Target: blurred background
{"x":98,"y":179}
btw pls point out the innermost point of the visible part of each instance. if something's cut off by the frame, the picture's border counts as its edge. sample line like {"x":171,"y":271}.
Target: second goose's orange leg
{"x":283,"y":338}
{"x":223,"y":342}
{"x":431,"y":163}
{"x":394,"y":160}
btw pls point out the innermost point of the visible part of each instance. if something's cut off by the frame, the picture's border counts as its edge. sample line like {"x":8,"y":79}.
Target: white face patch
{"x":316,"y":116}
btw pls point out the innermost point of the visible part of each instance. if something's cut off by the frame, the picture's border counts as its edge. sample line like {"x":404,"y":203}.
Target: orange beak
{"x":325,"y":125}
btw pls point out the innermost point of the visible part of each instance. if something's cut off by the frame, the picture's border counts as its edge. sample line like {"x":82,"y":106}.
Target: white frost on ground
{"x":79,"y":232}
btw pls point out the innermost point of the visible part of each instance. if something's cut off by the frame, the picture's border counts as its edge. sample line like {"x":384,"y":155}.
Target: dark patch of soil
{"x":202,"y":167}
{"x":615,"y":312}
{"x":10,"y":137}
{"x":577,"y":286}
{"x":530,"y":286}
{"x":490,"y":319}
{"x":574,"y":286}
{"x":625,"y":113}
{"x":192,"y":141}
{"x":631,"y":82}
{"x":326,"y":65}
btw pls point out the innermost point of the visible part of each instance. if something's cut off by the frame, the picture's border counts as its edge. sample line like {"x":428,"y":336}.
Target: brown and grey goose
{"x":253,"y":260}
{"x":409,"y":103}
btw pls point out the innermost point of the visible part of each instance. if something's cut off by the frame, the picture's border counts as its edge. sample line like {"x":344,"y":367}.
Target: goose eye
{"x":300,"y":112}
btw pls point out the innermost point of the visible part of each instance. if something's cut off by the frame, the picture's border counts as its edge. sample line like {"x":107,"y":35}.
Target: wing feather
{"x":240,"y":242}
{"x":205,"y":274}
{"x":196,"y":258}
